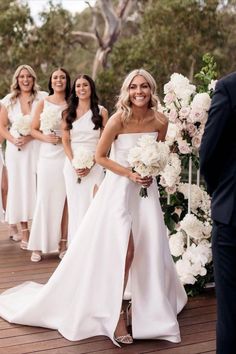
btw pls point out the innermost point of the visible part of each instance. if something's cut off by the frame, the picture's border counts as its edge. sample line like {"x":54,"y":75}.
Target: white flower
{"x":201,"y":101}
{"x":172,"y":133}
{"x":50,"y":119}
{"x":82,"y":158}
{"x":185,"y":271}
{"x":21,"y":126}
{"x":184,"y":147}
{"x":212,"y":85}
{"x":176,"y":243}
{"x":170,"y":174}
{"x":192,"y":226}
{"x":149,"y":157}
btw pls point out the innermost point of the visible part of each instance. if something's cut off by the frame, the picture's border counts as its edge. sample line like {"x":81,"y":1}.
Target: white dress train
{"x":80,"y":195}
{"x":51,"y":194}
{"x":83,"y":297}
{"x":20,"y":166}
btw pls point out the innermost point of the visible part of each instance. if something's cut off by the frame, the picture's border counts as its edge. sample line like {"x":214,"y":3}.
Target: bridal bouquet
{"x":21,"y":126}
{"x":49,"y":120}
{"x":82,"y":159}
{"x":148,"y":158}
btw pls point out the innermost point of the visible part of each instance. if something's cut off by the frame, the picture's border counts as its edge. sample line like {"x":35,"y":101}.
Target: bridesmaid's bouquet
{"x":82,"y":159}
{"x":148,"y":158}
{"x":21,"y":126}
{"x":49,"y":120}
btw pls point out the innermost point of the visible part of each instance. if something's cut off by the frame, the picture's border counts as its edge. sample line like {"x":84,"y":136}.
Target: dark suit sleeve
{"x":219,"y":115}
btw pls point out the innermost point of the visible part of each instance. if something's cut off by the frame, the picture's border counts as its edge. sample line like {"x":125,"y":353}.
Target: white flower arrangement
{"x":82,"y":159}
{"x":188,"y":110}
{"x":49,"y":120}
{"x":148,"y":158}
{"x":186,"y":206}
{"x":21,"y":126}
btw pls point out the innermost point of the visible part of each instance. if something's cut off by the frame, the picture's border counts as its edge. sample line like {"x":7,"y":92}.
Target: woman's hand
{"x":82,"y":172}
{"x":22,"y":140}
{"x":52,"y":139}
{"x":136,"y":178}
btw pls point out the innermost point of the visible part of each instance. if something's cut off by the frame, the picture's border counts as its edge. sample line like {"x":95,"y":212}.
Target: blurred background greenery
{"x":116,"y":36}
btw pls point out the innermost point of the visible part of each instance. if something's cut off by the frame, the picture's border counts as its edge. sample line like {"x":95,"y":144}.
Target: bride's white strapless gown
{"x":83,"y":296}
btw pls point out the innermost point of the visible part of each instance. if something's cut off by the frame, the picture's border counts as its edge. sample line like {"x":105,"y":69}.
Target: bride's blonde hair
{"x":123,"y":104}
{"x":15,"y":89}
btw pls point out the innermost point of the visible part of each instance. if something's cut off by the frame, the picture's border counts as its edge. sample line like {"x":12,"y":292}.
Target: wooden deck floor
{"x":197,"y":320}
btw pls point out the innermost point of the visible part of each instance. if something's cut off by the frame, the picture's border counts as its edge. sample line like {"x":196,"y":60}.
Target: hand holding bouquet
{"x":148,"y":158}
{"x":82,"y":159}
{"x":49,"y":120}
{"x":21,"y":126}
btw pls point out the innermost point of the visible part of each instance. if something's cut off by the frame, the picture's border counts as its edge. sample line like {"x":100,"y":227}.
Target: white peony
{"x":177,"y":243}
{"x":192,"y":226}
{"x":50,"y":119}
{"x":201,"y":101}
{"x":83,"y":158}
{"x":21,"y":126}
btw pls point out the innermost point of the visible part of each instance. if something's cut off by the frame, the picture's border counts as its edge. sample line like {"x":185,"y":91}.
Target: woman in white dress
{"x":119,"y":229}
{"x":49,"y":227}
{"x":84,"y":121}
{"x":17,"y":109}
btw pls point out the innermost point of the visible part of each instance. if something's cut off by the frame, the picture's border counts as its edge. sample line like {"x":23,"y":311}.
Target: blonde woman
{"x":21,"y":150}
{"x":120,"y":231}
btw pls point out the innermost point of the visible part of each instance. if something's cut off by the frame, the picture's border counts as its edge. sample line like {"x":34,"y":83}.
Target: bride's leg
{"x":64,"y":231}
{"x":121,"y":334}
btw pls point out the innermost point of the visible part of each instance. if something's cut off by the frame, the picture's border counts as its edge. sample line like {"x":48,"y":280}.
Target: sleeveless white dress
{"x":21,"y":169}
{"x":80,"y":195}
{"x":51,"y":194}
{"x":83,"y":297}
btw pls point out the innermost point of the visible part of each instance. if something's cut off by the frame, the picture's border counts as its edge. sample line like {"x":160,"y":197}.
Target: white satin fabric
{"x":80,"y":195}
{"x":84,"y":295}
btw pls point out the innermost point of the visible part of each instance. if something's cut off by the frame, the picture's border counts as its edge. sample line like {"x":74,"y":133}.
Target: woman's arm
{"x":162,"y":126}
{"x":4,"y":125}
{"x":66,"y":139}
{"x":104,"y":114}
{"x":35,"y":126}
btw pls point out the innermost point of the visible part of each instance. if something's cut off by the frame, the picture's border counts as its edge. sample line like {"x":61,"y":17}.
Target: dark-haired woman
{"x":83,"y":122}
{"x":49,"y":228}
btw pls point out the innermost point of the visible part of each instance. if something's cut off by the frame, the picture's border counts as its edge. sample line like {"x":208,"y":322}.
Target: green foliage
{"x":207,"y":73}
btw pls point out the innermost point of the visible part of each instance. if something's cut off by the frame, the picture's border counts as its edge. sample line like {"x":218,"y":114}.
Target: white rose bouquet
{"x":21,"y":126}
{"x":49,"y":120}
{"x":82,"y":159}
{"x":148,"y":158}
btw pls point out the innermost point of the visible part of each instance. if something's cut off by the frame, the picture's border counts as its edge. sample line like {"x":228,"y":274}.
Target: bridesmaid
{"x":49,"y":227}
{"x":83,"y":123}
{"x":21,"y":152}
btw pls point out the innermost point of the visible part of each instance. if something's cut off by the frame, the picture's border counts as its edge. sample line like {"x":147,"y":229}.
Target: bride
{"x":120,"y":233}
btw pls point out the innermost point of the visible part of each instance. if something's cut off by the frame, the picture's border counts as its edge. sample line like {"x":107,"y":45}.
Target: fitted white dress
{"x":20,"y":166}
{"x":83,"y":297}
{"x":80,"y":195}
{"x":51,"y":194}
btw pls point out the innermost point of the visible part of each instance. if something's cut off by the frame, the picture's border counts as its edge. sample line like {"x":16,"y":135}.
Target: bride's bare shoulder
{"x":115,"y":122}
{"x":161,"y":119}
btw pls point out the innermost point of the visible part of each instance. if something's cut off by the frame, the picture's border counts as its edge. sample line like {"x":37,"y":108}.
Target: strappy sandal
{"x":35,"y":257}
{"x":124,"y":339}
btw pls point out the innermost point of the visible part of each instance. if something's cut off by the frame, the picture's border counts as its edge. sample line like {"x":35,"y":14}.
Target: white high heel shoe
{"x":123,"y":339}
